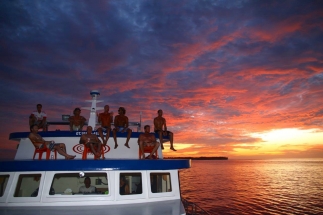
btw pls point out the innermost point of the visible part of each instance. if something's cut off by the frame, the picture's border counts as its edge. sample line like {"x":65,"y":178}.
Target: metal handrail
{"x":137,"y":124}
{"x":193,"y":209}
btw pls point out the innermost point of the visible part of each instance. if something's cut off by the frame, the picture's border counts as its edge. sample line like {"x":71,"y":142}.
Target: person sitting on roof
{"x":147,"y":139}
{"x":38,"y":118}
{"x":161,"y":130}
{"x":87,"y":188}
{"x":77,"y":121}
{"x":91,"y":141}
{"x":40,"y":143}
{"x":105,"y":119}
{"x":121,"y":124}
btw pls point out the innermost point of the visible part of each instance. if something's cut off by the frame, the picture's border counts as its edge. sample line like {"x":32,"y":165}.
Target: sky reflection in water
{"x":255,"y":186}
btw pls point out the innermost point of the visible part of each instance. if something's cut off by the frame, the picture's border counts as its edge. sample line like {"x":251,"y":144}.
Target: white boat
{"x":52,"y":186}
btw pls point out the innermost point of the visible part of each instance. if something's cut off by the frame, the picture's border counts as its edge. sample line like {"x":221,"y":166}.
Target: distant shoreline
{"x":199,"y":158}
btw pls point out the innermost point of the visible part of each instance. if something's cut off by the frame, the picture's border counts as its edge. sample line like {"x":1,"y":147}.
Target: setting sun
{"x":290,"y":136}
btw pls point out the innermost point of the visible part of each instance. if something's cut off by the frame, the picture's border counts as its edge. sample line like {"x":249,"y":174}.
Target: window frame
{"x":173,"y":181}
{"x":76,"y":198}
{"x":5,"y":195}
{"x":131,"y":196}
{"x":12,"y":198}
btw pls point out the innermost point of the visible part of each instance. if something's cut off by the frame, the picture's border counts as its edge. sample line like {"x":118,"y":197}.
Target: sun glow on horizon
{"x":177,"y":146}
{"x":281,"y":141}
{"x":292,"y":136}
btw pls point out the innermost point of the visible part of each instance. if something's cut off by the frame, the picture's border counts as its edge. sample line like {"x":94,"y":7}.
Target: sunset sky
{"x":242,"y":79}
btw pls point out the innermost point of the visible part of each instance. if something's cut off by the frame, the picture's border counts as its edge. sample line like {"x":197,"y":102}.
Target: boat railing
{"x":193,"y":209}
{"x":134,"y":124}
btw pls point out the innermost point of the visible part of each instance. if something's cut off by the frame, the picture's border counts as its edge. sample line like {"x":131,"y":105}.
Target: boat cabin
{"x":59,"y":183}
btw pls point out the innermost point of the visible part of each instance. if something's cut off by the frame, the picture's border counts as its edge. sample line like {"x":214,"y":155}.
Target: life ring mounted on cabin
{"x":79,"y":148}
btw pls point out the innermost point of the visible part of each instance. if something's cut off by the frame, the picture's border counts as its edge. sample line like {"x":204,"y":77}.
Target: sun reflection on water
{"x":255,"y":186}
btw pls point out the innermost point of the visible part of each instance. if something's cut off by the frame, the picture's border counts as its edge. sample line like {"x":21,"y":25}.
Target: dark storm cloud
{"x":243,"y":64}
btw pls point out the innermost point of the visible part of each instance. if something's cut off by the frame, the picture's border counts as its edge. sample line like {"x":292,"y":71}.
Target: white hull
{"x":170,"y":207}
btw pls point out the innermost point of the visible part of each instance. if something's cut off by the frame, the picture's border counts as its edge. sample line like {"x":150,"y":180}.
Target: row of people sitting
{"x":121,"y":124}
{"x":146,"y":139}
{"x":92,"y":142}
{"x":77,"y":122}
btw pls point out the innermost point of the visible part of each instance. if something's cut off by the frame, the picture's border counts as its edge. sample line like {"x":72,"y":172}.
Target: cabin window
{"x":27,"y":185}
{"x":130,"y":183}
{"x":160,"y":182}
{"x":3,"y":183}
{"x":72,"y":184}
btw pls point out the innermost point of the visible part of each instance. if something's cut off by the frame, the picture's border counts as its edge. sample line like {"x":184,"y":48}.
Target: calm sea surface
{"x":255,"y":186}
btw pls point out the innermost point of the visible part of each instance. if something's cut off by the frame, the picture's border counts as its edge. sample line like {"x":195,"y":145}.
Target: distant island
{"x":199,"y":158}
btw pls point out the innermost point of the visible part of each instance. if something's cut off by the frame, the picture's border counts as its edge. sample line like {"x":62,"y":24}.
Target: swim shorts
{"x":151,"y":144}
{"x":106,"y":128}
{"x":76,"y":128}
{"x":50,"y":146}
{"x":168,"y":132}
{"x":121,"y":128}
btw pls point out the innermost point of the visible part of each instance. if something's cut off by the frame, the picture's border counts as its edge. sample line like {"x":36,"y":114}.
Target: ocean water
{"x":255,"y":186}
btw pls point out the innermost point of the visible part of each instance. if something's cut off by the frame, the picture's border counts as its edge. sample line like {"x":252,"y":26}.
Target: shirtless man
{"x":39,"y":142}
{"x":147,"y":139}
{"x":91,"y":141}
{"x":160,"y":128}
{"x":121,"y":124}
{"x":38,"y":118}
{"x":105,"y":119}
{"x":77,"y":121}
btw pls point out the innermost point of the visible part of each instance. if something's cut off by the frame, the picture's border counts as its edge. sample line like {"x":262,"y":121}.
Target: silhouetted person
{"x":87,"y":188}
{"x":121,"y":124}
{"x":40,"y":143}
{"x":105,"y":119}
{"x":161,"y":130}
{"x":124,"y":187}
{"x":147,"y":139}
{"x":77,"y":121}
{"x":38,"y":118}
{"x":91,"y":141}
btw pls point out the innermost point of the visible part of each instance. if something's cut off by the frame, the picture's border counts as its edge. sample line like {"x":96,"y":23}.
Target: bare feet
{"x":172,"y":148}
{"x":115,"y":146}
{"x":70,"y":157}
{"x":151,"y":157}
{"x":126,"y":145}
{"x":105,"y":142}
